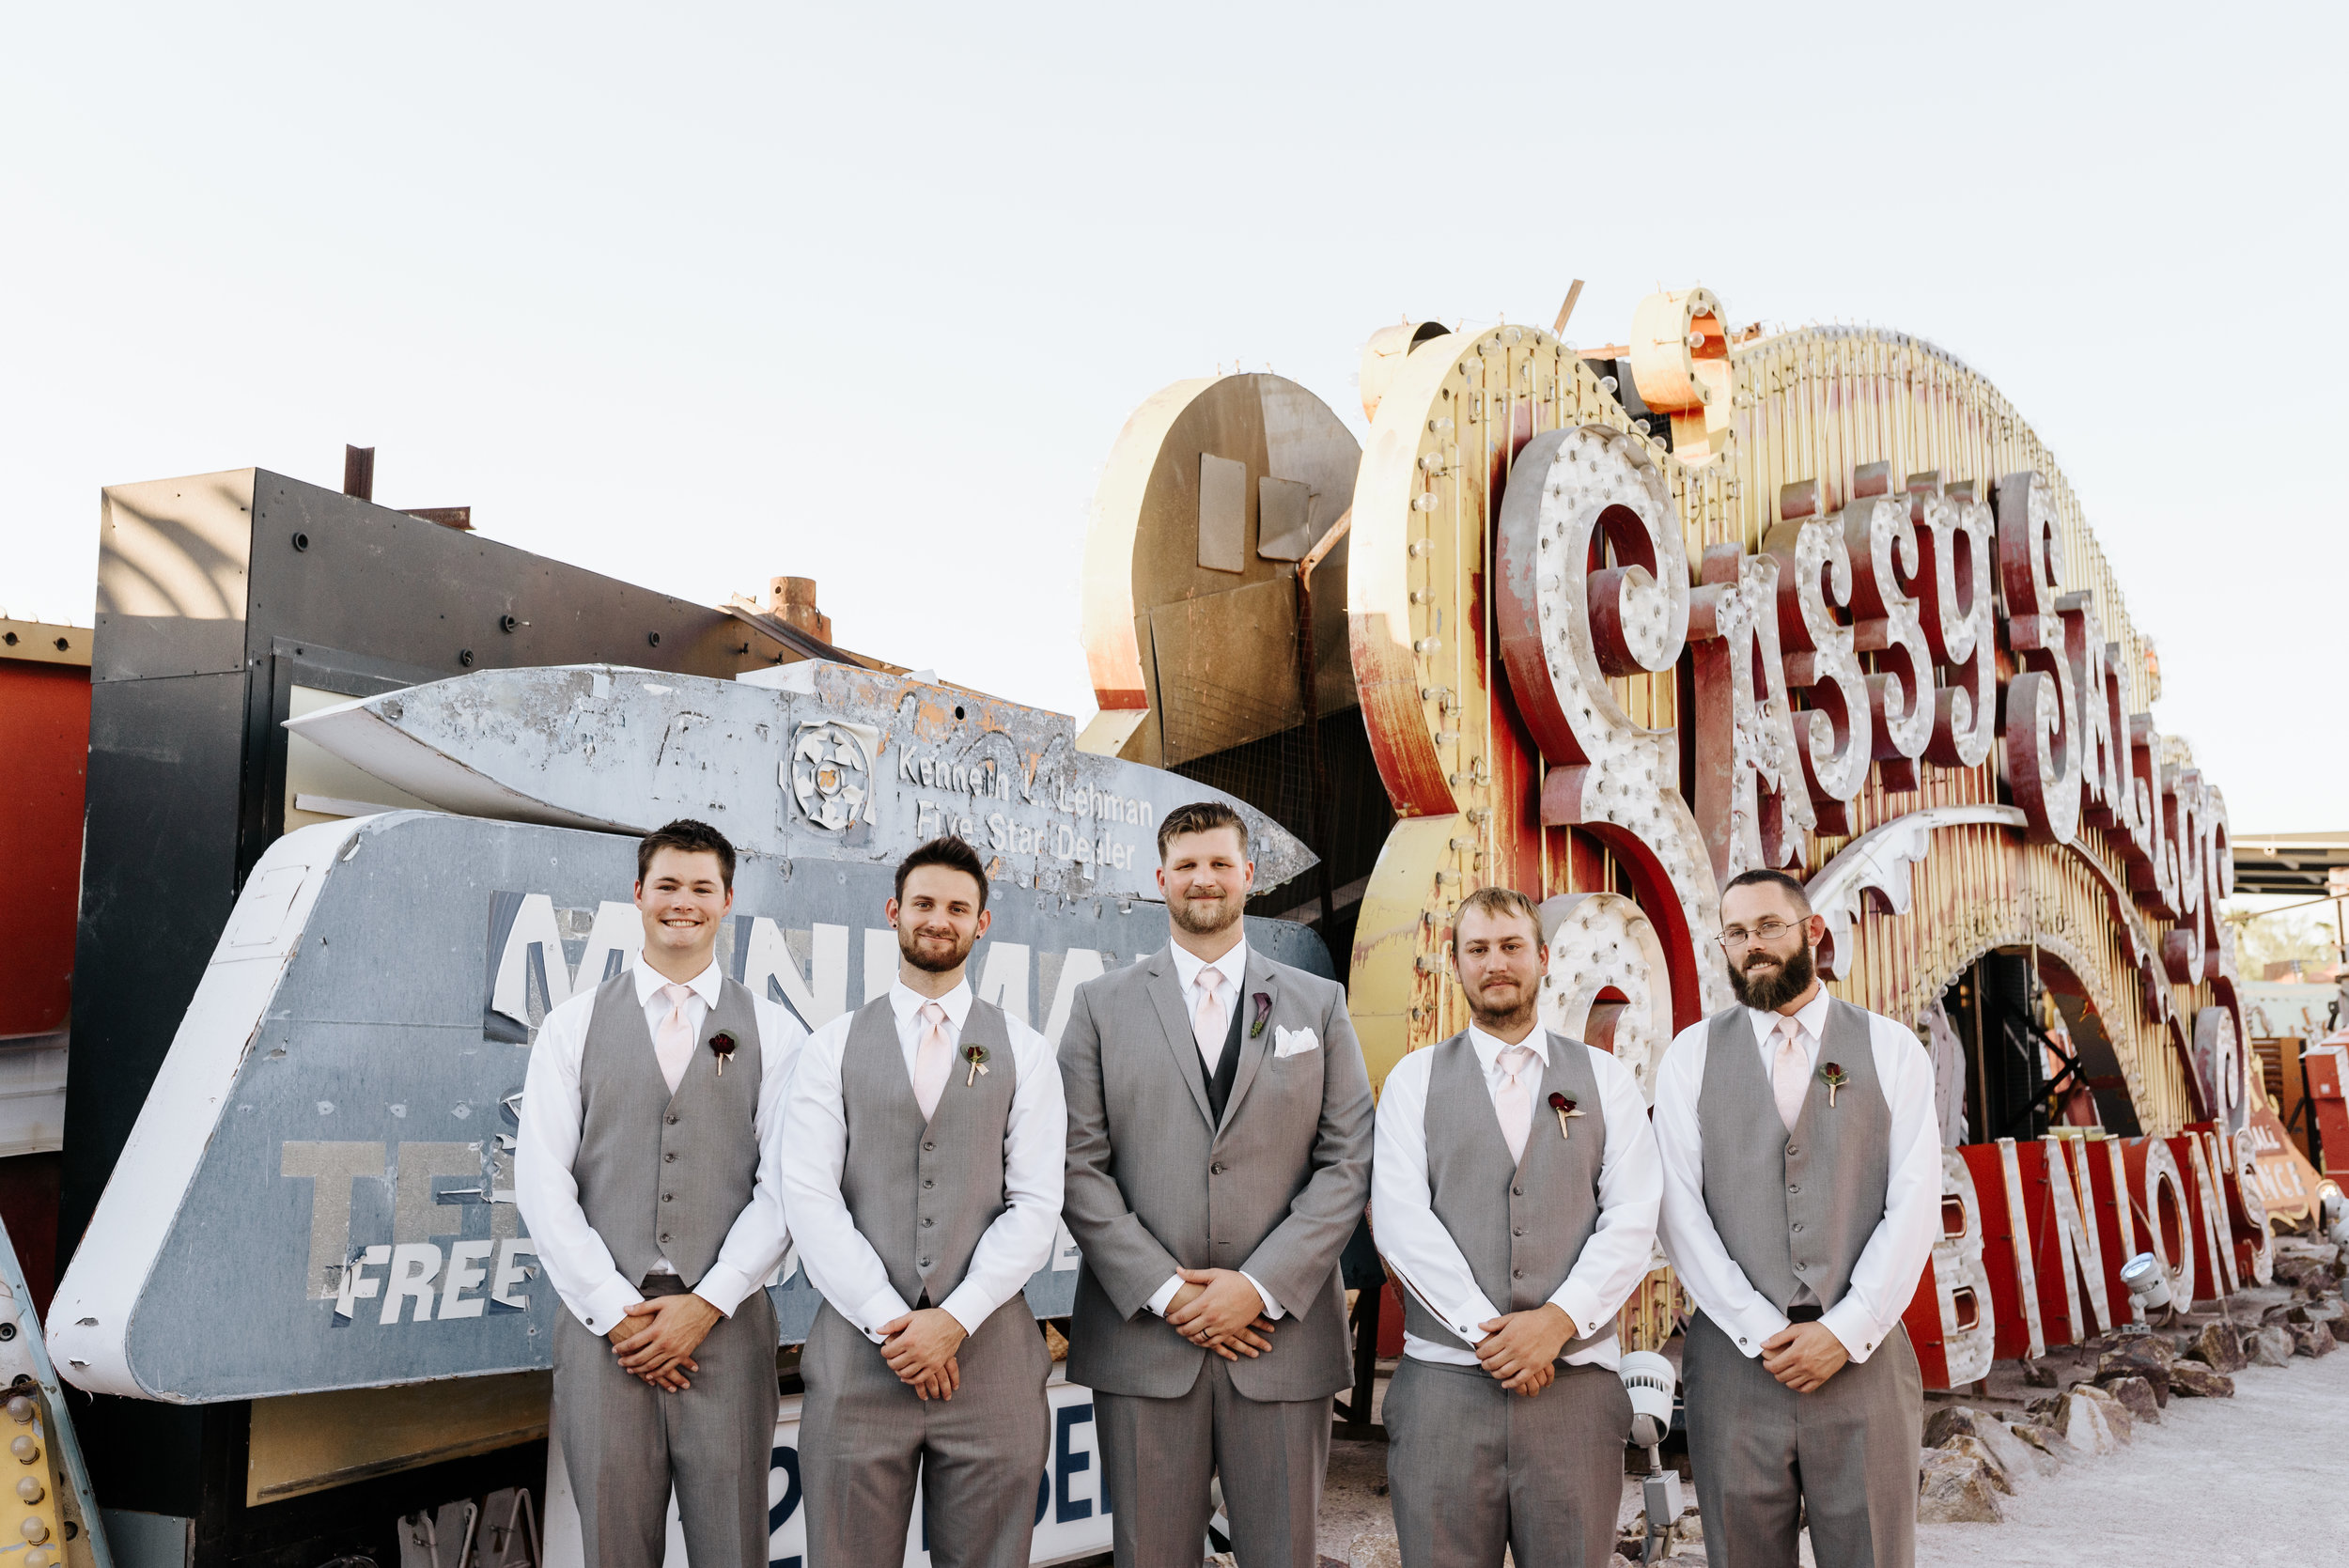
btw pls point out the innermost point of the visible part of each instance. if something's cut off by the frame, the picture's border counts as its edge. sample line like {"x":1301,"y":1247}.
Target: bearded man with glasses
{"x":1802,"y":1194}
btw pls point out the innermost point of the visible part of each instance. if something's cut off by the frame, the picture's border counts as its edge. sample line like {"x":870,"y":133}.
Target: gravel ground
{"x":2254,"y":1479}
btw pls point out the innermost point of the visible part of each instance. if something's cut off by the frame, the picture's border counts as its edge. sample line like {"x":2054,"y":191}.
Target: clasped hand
{"x":1221,"y":1310}
{"x":1521,"y":1349}
{"x":1803,"y":1356}
{"x":919,"y":1348}
{"x":657,"y":1338}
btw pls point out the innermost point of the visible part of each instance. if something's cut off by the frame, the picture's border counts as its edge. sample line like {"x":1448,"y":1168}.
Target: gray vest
{"x":1797,"y":1209}
{"x":662,"y":1174}
{"x":923,"y":1193}
{"x":1519,"y":1225}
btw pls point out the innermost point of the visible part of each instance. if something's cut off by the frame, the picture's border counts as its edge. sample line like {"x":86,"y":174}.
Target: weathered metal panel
{"x":345,"y":1085}
{"x":841,"y":762}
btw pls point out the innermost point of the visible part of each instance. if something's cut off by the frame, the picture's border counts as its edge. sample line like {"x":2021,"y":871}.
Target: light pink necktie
{"x":931,"y":1058}
{"x":1790,"y":1076}
{"x":1209,"y":1026}
{"x":673,"y":1046}
{"x":1514,"y":1103}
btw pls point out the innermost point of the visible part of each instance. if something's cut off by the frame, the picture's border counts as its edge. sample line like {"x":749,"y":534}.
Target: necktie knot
{"x":933,"y":1014}
{"x":1514,"y":1058}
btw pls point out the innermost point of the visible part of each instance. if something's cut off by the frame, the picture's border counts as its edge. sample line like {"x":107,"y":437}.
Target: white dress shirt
{"x":1612,"y":1263}
{"x":840,"y":1261}
{"x":1884,"y":1279}
{"x":1231,"y":980}
{"x":577,"y":1262}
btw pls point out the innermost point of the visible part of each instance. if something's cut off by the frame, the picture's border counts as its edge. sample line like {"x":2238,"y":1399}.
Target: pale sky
{"x":696,"y":296}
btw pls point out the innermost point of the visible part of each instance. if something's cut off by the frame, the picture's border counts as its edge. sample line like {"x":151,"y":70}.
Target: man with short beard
{"x":1219,"y":1157}
{"x":922,"y":1169}
{"x":1515,"y":1193}
{"x":1802,"y":1194}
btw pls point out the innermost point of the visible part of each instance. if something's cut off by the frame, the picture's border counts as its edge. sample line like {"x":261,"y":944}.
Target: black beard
{"x":1767,"y":995}
{"x":909,"y":948}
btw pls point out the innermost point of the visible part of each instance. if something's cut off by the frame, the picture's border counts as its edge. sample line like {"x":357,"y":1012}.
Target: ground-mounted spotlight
{"x":2148,"y":1287}
{"x":1649,"y":1379}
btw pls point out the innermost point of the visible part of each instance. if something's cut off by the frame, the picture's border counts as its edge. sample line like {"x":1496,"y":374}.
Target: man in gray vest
{"x":922,"y":1170}
{"x":642,"y":1168}
{"x":1218,"y":1158}
{"x":1802,"y":1194}
{"x":1515,"y":1194}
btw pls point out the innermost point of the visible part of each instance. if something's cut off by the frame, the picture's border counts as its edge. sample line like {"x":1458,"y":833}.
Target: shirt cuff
{"x":724,"y":1287}
{"x":1764,"y":1322}
{"x":1581,"y":1305}
{"x":967,"y":1305}
{"x":1465,"y":1318}
{"x":884,"y":1306}
{"x":1848,"y":1323}
{"x":1159,"y":1302}
{"x":1272,"y":1308}
{"x":609,"y":1303}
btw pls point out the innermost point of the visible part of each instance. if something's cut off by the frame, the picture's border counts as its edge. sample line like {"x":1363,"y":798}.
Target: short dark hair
{"x":1761,"y":876}
{"x":1498,"y":903}
{"x":950,"y":852}
{"x":695,"y":838}
{"x":1200,"y":817}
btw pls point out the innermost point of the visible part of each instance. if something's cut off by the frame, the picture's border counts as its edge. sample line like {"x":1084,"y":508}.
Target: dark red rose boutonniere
{"x":1564,"y":1106}
{"x":1263,"y":1011}
{"x":976,"y":1056}
{"x":722,"y":1046}
{"x":1832,"y":1074}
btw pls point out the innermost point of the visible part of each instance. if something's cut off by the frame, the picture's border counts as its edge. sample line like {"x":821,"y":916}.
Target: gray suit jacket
{"x":1153,"y":1184}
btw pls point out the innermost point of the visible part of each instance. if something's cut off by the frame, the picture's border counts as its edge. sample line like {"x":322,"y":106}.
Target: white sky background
{"x":694,"y":296}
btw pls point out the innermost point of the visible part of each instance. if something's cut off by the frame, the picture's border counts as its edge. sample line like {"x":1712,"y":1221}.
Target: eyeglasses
{"x":1736,"y":937}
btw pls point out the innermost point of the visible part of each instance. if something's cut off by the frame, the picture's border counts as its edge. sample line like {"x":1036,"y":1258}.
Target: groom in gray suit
{"x":1218,"y":1159}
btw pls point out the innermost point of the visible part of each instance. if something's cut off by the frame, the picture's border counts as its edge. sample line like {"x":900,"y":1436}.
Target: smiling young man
{"x":1802,"y":1194}
{"x":922,"y":1170}
{"x":1515,"y":1192}
{"x":1219,"y":1157}
{"x":642,"y":1170}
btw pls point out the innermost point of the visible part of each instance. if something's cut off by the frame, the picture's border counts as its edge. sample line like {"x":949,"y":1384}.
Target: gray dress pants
{"x":1159,"y":1454}
{"x":1473,"y":1469}
{"x":625,"y":1442}
{"x":1845,"y":1454}
{"x":865,"y":1438}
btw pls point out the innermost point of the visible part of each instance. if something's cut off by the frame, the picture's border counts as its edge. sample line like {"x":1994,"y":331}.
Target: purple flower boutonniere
{"x":1833,"y":1076}
{"x":1263,"y":1011}
{"x":976,"y":1056}
{"x":722,"y":1046}
{"x":1564,"y":1106}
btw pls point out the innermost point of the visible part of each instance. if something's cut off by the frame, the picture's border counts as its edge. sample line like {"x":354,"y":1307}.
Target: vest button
{"x":927,"y":1223}
{"x":1791,"y":1150}
{"x":670,"y":1157}
{"x":1215,"y":1170}
{"x":671,"y":1118}
{"x":925,"y":1262}
{"x":928,"y":1183}
{"x":927,"y":1146}
{"x":1516,"y":1274}
{"x":1516,"y":1193}
{"x":1791,"y":1188}
{"x":667,"y":1196}
{"x":1517,"y":1230}
{"x":665,"y":1237}
{"x":1798,"y":1227}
